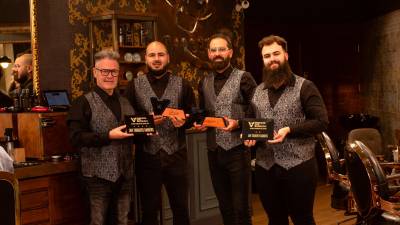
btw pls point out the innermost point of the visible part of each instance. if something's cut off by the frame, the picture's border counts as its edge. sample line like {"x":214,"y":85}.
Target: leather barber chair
{"x":336,"y":175}
{"x":376,"y":200}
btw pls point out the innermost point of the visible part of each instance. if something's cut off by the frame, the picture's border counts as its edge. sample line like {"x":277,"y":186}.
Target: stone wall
{"x":380,"y":76}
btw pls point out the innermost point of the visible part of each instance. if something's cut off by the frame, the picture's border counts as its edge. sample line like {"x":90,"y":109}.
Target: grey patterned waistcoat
{"x":287,"y":111}
{"x":167,"y":138}
{"x":230,"y":103}
{"x":111,"y":161}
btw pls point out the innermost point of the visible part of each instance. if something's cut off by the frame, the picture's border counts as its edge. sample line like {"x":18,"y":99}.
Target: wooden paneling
{"x":52,"y":199}
{"x":44,"y":134}
{"x":34,"y":199}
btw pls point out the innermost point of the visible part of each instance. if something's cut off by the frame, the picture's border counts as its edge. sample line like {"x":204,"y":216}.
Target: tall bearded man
{"x":226,"y":92}
{"x":286,"y":169}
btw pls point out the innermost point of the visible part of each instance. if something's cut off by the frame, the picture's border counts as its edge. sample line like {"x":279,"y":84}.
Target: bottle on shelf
{"x":142,"y":36}
{"x":15,"y":95}
{"x":8,"y":134}
{"x":128,"y":36}
{"x":121,"y":36}
{"x":26,"y":103}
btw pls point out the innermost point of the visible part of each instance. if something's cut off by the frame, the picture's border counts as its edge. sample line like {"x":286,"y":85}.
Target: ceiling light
{"x":5,"y":62}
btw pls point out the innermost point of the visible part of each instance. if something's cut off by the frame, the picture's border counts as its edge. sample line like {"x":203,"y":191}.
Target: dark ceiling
{"x":318,"y":11}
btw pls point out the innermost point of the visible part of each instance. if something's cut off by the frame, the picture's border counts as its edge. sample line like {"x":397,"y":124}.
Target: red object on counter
{"x":40,"y":109}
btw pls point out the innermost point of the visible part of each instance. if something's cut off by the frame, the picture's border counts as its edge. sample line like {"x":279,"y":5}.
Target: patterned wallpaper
{"x":187,"y":50}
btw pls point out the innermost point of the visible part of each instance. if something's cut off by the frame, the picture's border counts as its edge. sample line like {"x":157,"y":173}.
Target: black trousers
{"x":231,"y":174}
{"x":109,"y":201}
{"x":285,"y":193}
{"x":152,"y":172}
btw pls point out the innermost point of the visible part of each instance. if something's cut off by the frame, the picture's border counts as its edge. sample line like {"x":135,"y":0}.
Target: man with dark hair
{"x":286,"y":169}
{"x":95,"y":122}
{"x":162,"y":158}
{"x":226,"y":92}
{"x":22,"y":72}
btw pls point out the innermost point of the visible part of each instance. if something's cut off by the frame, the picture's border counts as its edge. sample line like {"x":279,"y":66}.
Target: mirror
{"x":18,"y":35}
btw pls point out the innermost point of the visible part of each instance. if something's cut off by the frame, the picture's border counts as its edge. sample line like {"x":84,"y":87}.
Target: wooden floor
{"x":323,"y":213}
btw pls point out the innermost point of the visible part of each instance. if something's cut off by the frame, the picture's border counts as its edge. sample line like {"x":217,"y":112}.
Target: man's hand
{"x":232,"y":124}
{"x":176,"y":121}
{"x":117,"y":133}
{"x":280,"y":135}
{"x":199,"y":127}
{"x":159,"y":119}
{"x":249,"y":143}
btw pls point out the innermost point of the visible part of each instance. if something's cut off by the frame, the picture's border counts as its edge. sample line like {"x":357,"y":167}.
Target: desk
{"x":51,"y":193}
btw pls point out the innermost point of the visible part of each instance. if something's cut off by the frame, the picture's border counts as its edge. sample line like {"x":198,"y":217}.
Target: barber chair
{"x":335,"y":171}
{"x":377,"y":202}
{"x":371,"y":138}
{"x":9,"y":203}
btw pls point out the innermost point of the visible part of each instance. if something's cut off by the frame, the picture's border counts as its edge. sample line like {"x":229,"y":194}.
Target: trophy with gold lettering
{"x":257,"y":129}
{"x":139,"y":124}
{"x":159,"y":105}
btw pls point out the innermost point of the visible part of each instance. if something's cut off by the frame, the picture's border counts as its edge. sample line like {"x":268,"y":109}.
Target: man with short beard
{"x":161,"y":159}
{"x":226,"y":92}
{"x":286,"y":169}
{"x":22,"y":74}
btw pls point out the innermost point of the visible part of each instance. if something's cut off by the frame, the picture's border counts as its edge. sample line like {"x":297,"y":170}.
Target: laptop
{"x":58,"y":100}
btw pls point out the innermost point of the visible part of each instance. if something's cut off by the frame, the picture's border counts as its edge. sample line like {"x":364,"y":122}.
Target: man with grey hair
{"x":95,"y":122}
{"x":22,"y":72}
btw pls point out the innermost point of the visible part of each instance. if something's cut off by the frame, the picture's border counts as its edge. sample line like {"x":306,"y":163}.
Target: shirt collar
{"x":225,"y":74}
{"x":104,"y":94}
{"x":152,"y":78}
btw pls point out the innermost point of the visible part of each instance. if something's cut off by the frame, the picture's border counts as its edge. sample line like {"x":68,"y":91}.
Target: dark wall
{"x":54,"y":41}
{"x":323,"y":46}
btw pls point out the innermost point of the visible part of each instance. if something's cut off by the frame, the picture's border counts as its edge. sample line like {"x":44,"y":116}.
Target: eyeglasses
{"x":220,"y":49}
{"x":106,"y":72}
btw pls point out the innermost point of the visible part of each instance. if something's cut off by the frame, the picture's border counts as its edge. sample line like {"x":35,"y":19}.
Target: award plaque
{"x":196,"y":116}
{"x":140,"y":124}
{"x":257,"y":129}
{"x":179,"y":113}
{"x":159,"y":105}
{"x":217,"y":122}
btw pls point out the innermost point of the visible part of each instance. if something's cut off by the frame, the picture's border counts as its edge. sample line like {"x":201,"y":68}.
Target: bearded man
{"x":22,"y":73}
{"x":286,"y":169}
{"x":162,"y":158}
{"x":226,"y":92}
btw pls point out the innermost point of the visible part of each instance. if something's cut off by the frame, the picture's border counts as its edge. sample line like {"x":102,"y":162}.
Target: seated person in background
{"x":6,"y":163}
{"x":22,"y":71}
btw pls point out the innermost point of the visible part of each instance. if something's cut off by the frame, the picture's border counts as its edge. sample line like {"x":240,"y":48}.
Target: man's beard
{"x":276,"y":77}
{"x":158,"y":72}
{"x":22,"y":78}
{"x":220,"y":65}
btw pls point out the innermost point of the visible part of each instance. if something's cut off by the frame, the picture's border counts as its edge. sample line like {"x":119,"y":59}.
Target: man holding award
{"x":225,"y":95}
{"x":161,"y":159}
{"x":286,"y":169}
{"x":95,"y":122}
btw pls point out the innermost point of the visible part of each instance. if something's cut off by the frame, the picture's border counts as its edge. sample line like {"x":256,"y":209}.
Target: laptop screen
{"x":56,"y":98}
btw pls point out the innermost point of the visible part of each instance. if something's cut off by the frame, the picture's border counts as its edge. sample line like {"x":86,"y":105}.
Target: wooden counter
{"x":51,"y":193}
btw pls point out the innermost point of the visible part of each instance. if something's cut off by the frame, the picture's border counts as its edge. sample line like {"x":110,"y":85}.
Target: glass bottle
{"x":121,"y":36}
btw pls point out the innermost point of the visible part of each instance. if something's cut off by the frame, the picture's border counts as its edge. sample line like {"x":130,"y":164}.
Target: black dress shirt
{"x":313,"y":106}
{"x":79,"y":117}
{"x":247,"y":85}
